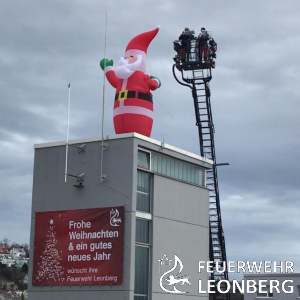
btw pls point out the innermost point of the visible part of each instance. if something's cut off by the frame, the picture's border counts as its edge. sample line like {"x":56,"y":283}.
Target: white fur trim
{"x":108,"y":68}
{"x":124,"y":84}
{"x":134,"y":51}
{"x":137,"y":110}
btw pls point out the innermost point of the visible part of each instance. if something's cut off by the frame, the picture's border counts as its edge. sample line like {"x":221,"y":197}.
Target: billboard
{"x":79,"y":247}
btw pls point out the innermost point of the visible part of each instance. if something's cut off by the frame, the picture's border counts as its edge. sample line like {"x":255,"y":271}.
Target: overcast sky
{"x":255,"y":102}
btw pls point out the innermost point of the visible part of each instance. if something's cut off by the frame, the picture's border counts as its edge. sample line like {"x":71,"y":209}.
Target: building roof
{"x":3,"y":250}
{"x":124,"y":136}
{"x":272,"y":275}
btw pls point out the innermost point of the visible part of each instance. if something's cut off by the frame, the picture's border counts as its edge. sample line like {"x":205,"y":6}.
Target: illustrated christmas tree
{"x":50,"y":268}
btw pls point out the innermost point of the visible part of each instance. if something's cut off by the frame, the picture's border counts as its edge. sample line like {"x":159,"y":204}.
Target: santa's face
{"x":128,"y":65}
{"x":131,"y":58}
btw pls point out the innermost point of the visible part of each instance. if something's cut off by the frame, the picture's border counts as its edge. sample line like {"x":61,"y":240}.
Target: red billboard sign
{"x":79,"y":247}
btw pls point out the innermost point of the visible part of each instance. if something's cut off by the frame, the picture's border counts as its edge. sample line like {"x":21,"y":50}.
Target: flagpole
{"x":68,"y":129}
{"x":103,"y":102}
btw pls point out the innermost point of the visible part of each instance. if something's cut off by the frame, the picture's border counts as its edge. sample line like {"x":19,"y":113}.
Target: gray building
{"x":278,"y":286}
{"x":163,"y":191}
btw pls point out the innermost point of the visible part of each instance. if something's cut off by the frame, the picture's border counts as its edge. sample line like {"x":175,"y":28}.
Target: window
{"x":171,"y":167}
{"x":142,"y":259}
{"x":143,"y":191}
{"x":265,"y":294}
{"x":142,"y":231}
{"x":144,"y":160}
{"x":141,"y":283}
{"x":262,"y":295}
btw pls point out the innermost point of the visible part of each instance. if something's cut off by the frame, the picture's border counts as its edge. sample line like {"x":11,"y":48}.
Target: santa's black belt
{"x":124,"y":94}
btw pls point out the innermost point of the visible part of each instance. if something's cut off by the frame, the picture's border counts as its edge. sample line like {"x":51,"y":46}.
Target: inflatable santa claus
{"x":133,"y":107}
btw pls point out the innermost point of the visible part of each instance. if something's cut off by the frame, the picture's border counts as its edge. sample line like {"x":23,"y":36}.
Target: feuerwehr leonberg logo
{"x":114,"y":217}
{"x":171,"y":283}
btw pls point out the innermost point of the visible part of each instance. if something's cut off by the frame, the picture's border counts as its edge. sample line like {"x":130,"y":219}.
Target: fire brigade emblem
{"x":114,"y":218}
{"x":172,"y":283}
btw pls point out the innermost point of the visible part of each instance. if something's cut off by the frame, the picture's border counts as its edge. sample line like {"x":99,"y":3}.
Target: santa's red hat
{"x":142,"y":41}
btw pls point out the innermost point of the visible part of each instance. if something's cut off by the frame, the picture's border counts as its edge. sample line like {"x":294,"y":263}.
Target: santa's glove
{"x":158,"y":81}
{"x":106,"y":63}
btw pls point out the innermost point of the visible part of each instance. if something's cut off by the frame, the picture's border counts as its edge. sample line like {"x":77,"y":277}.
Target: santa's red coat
{"x":131,"y":113}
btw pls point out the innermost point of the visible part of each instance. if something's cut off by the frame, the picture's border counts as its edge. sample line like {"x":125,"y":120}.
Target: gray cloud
{"x":255,"y":101}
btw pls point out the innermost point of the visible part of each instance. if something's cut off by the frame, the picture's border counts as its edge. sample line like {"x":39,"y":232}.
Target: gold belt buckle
{"x":122,"y":95}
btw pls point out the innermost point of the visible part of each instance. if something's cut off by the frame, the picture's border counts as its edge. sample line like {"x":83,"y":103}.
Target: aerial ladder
{"x":194,"y":60}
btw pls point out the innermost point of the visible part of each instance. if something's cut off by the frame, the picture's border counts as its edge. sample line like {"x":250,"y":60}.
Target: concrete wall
{"x":180,"y":226}
{"x":295,"y":277}
{"x":179,"y":213}
{"x":50,"y":192}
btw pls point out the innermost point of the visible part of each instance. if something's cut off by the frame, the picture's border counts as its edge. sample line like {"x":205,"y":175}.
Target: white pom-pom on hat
{"x":157,"y":26}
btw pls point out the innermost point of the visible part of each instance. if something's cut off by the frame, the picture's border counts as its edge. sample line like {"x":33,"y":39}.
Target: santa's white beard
{"x":125,"y":69}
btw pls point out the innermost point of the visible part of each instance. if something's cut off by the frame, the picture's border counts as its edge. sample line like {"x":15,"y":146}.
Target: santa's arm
{"x":153,"y":82}
{"x":107,"y":66}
